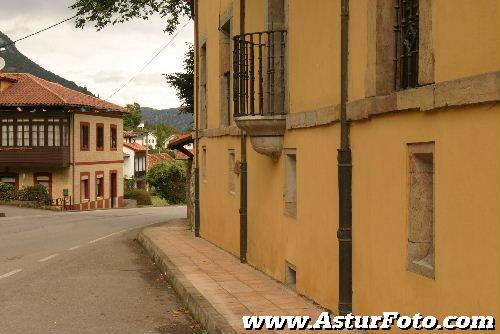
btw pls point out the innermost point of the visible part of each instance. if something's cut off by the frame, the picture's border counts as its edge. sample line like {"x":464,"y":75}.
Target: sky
{"x":100,"y":60}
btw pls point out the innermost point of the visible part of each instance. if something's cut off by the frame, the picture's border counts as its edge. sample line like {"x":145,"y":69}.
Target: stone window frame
{"x":232,"y":172}
{"x":290,"y":190}
{"x":381,"y":47}
{"x":203,"y":84}
{"x":226,"y":77}
{"x":416,"y":262}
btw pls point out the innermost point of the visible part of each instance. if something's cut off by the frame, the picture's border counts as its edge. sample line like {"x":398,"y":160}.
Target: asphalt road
{"x":83,"y":272}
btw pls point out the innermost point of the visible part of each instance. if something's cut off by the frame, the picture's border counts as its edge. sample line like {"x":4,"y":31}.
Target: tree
{"x":169,"y":179}
{"x":162,"y":132}
{"x":183,"y":82}
{"x":103,"y":13}
{"x":133,"y":117}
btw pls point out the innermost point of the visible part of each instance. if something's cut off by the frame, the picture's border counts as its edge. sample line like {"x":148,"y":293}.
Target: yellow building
{"x":422,"y":85}
{"x":62,"y":139}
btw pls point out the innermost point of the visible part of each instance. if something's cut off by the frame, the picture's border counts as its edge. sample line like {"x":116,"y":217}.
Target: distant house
{"x":135,"y":163}
{"x":62,"y":139}
{"x":141,"y":137}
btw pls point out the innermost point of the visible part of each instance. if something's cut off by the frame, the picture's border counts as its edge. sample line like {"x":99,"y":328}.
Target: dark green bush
{"x":7,"y":192}
{"x":140,"y":195}
{"x":169,"y":181}
{"x":36,"y":193}
{"x":129,"y":185}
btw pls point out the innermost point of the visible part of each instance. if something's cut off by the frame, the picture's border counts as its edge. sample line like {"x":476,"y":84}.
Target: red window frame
{"x":49,"y":175}
{"x":113,"y":137}
{"x":84,"y":147}
{"x":99,"y":175}
{"x":99,"y":126}
{"x":87,"y":186}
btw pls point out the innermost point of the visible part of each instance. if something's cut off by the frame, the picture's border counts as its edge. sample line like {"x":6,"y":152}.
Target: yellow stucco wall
{"x":467,"y":211}
{"x":465,"y":39}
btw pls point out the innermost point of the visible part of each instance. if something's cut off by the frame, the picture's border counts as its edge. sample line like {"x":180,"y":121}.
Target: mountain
{"x":17,"y":62}
{"x":172,"y":117}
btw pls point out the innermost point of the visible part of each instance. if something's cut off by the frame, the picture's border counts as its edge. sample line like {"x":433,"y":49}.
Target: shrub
{"x":169,"y":181}
{"x":36,"y":193}
{"x":7,"y":192}
{"x":129,"y":185}
{"x":140,"y":195}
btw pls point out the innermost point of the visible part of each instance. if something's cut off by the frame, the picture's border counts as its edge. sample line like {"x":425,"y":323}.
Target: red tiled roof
{"x":128,"y":134}
{"x":181,"y":156}
{"x":136,"y":147}
{"x":182,"y":140}
{"x":29,"y":90}
{"x":156,"y":158}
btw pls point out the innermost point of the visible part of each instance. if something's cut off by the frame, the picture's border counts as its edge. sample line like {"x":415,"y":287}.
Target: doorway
{"x":113,"y":191}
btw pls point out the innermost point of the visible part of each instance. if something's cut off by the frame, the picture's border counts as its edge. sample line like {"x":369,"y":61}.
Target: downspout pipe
{"x":344,"y":157}
{"x":197,"y":130}
{"x":244,"y":173}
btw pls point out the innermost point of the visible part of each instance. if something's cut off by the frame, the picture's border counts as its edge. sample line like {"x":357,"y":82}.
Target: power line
{"x":36,"y":33}
{"x":150,"y":60}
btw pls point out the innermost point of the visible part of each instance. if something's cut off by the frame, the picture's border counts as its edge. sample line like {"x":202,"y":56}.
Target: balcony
{"x":259,"y":89}
{"x":39,"y":157}
{"x":140,"y":174}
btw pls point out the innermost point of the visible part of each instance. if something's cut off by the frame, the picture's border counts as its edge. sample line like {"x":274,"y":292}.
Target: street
{"x":83,"y":272}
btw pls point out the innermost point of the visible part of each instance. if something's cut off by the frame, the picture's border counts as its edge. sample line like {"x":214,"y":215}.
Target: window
{"x":65,"y":130}
{"x":23,"y":132}
{"x":38,"y":132}
{"x":84,"y":186}
{"x":84,"y":136}
{"x":99,"y":136}
{"x":290,"y":183}
{"x":421,"y":209}
{"x":231,"y":173}
{"x":10,"y":178}
{"x":53,"y":132}
{"x":407,"y":44}
{"x":225,"y":73}
{"x":204,"y":164}
{"x":113,"y":137}
{"x":7,"y":132}
{"x":203,"y":88}
{"x":99,"y":185}
{"x":44,"y":179}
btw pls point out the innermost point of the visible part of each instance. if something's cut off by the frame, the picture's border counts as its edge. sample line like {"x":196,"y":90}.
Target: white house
{"x":135,"y":163}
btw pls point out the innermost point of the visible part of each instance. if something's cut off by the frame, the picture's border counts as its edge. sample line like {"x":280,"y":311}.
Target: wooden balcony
{"x":54,"y":157}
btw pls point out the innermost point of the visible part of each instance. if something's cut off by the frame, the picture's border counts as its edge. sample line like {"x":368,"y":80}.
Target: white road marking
{"x":48,"y":258}
{"x":13,"y":272}
{"x":76,"y":247}
{"x":106,"y":236}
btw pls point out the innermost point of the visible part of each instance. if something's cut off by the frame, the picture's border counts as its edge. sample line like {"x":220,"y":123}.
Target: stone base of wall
{"x":99,"y":204}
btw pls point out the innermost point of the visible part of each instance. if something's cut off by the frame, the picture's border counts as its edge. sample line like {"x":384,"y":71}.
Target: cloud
{"x":102,"y":60}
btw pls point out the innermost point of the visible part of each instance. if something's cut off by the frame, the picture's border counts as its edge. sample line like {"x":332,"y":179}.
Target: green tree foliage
{"x":104,"y":12}
{"x":183,"y":82}
{"x":169,"y":179}
{"x":162,"y":132}
{"x":133,"y":118}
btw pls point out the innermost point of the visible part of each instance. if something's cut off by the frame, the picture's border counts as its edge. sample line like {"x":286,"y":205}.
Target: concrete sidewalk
{"x":214,"y":285}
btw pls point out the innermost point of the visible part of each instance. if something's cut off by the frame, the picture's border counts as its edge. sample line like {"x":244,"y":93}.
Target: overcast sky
{"x":101,"y":60}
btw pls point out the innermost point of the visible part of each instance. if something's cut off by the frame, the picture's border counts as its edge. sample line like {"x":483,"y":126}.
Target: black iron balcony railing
{"x":259,"y":73}
{"x":140,"y":174}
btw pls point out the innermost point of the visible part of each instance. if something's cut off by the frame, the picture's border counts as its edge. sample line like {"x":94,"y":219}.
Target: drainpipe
{"x":197,"y":136}
{"x":243,"y":175}
{"x":344,"y":233}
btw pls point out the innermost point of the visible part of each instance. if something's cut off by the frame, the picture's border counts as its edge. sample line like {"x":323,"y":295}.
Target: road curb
{"x":199,"y":306}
